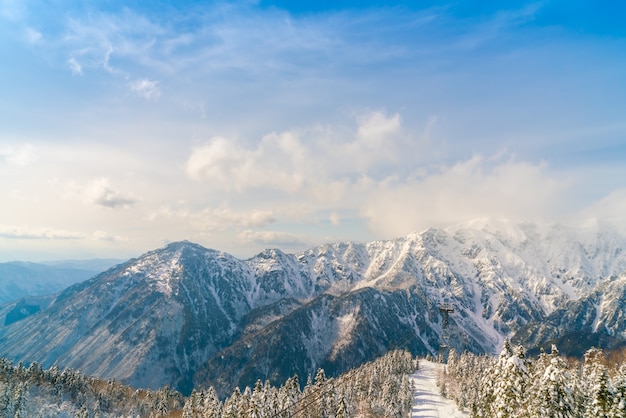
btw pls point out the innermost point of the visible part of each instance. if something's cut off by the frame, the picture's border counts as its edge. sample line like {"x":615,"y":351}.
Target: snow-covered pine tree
{"x":618,"y":408}
{"x":19,"y":401}
{"x":6,"y":396}
{"x":598,"y":388}
{"x":486,"y":395}
{"x":231,"y":404}
{"x":554,"y":394}
{"x":342,"y":408}
{"x":512,"y":382}
{"x":212,"y":408}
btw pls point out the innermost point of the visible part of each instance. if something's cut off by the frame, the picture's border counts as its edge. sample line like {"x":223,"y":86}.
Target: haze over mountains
{"x":19,"y":278}
{"x":188,"y":316}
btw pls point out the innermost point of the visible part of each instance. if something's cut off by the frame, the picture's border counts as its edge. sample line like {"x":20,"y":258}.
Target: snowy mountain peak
{"x":205,"y":312}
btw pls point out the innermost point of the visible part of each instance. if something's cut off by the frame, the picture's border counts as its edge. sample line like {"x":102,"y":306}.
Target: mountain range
{"x":188,"y":316}
{"x":20,"y":279}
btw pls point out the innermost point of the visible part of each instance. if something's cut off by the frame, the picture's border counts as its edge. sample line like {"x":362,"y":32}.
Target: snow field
{"x":427,"y":402}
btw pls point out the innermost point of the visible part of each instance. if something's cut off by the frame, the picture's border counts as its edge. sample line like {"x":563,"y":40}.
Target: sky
{"x":245,"y":125}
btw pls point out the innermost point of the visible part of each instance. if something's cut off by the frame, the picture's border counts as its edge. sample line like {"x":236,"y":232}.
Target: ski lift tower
{"x":444,"y":347}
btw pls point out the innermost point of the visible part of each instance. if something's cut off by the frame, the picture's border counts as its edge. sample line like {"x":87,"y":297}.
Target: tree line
{"x":380,"y":388}
{"x":549,"y":386}
{"x":376,"y":389}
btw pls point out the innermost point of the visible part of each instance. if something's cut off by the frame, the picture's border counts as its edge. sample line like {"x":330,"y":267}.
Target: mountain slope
{"x":148,"y":322}
{"x":335,"y":333}
{"x":185,"y":315}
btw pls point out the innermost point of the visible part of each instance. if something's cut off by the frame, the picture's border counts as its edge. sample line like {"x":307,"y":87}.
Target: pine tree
{"x":554,"y":395}
{"x":618,"y":407}
{"x":212,"y":406}
{"x":160,"y":404}
{"x":599,"y":396}
{"x":486,"y":393}
{"x":19,"y":400}
{"x":342,"y":408}
{"x":512,"y":381}
{"x":579,"y":394}
{"x":6,"y":396}
{"x":231,"y":404}
{"x":188,"y":410}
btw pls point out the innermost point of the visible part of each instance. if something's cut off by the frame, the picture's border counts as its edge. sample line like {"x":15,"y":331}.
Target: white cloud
{"x":75,"y":66}
{"x":317,"y":168}
{"x":21,"y":155}
{"x":376,"y":127}
{"x":96,"y":37}
{"x":376,"y":143}
{"x":216,"y":219}
{"x":148,"y":89}
{"x":27,"y":233}
{"x":611,"y":207}
{"x":32,"y":36}
{"x":270,"y":238}
{"x":106,"y":236}
{"x":279,"y":162}
{"x":478,"y":187}
{"x":100,"y":192}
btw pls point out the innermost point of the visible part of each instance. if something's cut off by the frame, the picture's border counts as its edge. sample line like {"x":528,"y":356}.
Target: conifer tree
{"x":554,"y":395}
{"x":598,"y":390}
{"x":231,"y":404}
{"x":20,"y":397}
{"x":511,"y":384}
{"x":618,"y":407}
{"x":601,"y":397}
{"x":212,"y":406}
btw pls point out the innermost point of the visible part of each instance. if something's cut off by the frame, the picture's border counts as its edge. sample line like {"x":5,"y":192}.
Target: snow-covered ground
{"x":427,"y":402}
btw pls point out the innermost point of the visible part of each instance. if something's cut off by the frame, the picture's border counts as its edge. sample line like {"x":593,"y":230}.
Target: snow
{"x":345,"y":328}
{"x":427,"y":402}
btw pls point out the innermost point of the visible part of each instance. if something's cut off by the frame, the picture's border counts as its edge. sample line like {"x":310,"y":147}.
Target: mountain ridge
{"x":197,"y":309}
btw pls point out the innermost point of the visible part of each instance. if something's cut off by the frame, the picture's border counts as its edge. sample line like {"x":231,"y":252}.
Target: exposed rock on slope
{"x":185,"y":314}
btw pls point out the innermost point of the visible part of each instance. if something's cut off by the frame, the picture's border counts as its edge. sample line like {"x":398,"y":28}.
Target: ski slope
{"x":427,"y":402}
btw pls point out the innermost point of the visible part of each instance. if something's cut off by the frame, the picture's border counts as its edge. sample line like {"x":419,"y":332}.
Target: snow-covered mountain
{"x":185,"y":315}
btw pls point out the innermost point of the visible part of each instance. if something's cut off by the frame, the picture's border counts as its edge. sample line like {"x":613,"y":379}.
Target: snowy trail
{"x":427,"y":402}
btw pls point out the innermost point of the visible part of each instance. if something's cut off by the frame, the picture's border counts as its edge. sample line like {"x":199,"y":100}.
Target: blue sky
{"x":248,"y":125}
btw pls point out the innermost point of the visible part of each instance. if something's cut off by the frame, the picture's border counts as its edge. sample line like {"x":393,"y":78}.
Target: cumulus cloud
{"x":270,"y":238}
{"x":100,"y":192}
{"x":375,"y":127}
{"x":278,"y":162}
{"x":318,"y":167}
{"x":477,"y":187}
{"x":148,"y":89}
{"x":12,"y":232}
{"x":376,"y":143}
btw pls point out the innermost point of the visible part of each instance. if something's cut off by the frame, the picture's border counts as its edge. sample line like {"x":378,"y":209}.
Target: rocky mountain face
{"x":595,"y":320}
{"x":185,"y":315}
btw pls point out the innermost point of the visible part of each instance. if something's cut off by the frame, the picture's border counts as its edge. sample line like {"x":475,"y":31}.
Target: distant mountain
{"x":20,"y":279}
{"x":185,"y":315}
